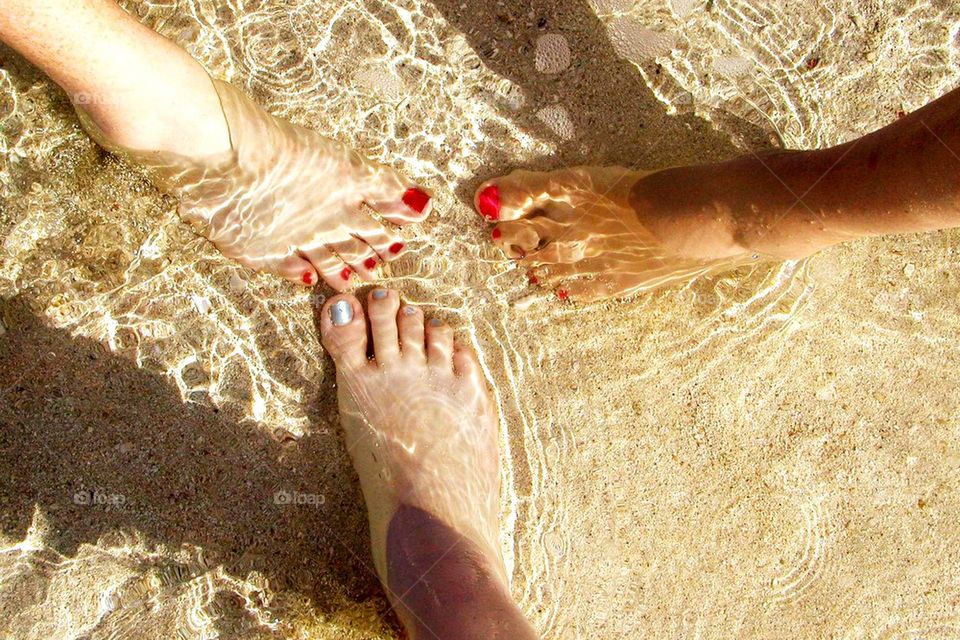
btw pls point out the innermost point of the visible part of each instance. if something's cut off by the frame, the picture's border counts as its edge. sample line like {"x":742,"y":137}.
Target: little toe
{"x":553,"y":274}
{"x":294,"y":268}
{"x":465,"y":362}
{"x":587,"y":290}
{"x":331,"y":268}
{"x":382,"y":307}
{"x":439,"y":344}
{"x":343,"y":332}
{"x":410,"y":323}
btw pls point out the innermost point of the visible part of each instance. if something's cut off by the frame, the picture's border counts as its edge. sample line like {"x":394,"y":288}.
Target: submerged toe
{"x":343,"y":331}
{"x":382,"y":306}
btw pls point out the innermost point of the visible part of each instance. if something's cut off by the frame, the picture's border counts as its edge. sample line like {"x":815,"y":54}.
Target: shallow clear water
{"x":765,"y":454}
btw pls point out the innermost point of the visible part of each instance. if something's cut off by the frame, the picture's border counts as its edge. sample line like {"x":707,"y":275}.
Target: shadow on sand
{"x":616,"y":118}
{"x":74,"y":417}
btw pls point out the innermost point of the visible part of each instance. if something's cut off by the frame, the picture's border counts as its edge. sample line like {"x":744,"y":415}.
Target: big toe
{"x":513,"y":196}
{"x":343,"y":330}
{"x":394,"y":197}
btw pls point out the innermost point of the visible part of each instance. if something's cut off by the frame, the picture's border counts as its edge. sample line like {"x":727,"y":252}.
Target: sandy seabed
{"x":769,"y":454}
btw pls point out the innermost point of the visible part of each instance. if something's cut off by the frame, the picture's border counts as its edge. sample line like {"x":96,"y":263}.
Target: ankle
{"x":444,"y":585}
{"x":160,"y":100}
{"x":685,"y":219}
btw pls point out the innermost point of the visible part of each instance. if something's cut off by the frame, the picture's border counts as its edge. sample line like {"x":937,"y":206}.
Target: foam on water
{"x":725,"y":458}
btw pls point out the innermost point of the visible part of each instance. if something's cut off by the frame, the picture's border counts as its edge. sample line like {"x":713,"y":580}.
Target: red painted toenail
{"x":416,"y":199}
{"x":370,"y":263}
{"x":346,"y":273}
{"x":396,"y":247}
{"x":533,"y":279}
{"x":307,"y":277}
{"x":563,"y":294}
{"x":496,"y":234}
{"x":489,"y":202}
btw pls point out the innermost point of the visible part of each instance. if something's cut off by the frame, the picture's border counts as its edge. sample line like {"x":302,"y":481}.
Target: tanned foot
{"x":585,"y":233}
{"x":422,"y":431}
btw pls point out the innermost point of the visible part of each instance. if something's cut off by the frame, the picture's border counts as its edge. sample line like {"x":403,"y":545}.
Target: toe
{"x":585,"y":290}
{"x":331,"y":268}
{"x":439,"y":344}
{"x":394,"y":197}
{"x":343,"y":331}
{"x":385,"y":243}
{"x":382,"y":306}
{"x":465,"y":362}
{"x":358,"y":255}
{"x":513,"y":196}
{"x":294,"y":268}
{"x":410,"y":323}
{"x":517,"y":239}
{"x":549,"y":275}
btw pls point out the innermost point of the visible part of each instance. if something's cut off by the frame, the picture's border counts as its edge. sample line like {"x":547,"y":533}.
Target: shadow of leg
{"x":614,"y":118}
{"x":112,"y":459}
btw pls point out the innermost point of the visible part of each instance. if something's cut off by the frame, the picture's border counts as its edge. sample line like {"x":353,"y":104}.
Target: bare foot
{"x":419,"y":421}
{"x":281,"y":198}
{"x":585,"y":233}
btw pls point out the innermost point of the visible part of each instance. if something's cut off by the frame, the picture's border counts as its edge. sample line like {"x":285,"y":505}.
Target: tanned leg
{"x":596,"y":233}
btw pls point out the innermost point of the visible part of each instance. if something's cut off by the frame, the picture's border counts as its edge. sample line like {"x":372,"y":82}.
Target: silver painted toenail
{"x":409,"y":311}
{"x":379,"y":294}
{"x":436,"y":322}
{"x":341,"y":313}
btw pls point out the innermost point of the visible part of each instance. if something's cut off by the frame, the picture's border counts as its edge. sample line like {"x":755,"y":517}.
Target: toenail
{"x":370,"y":263}
{"x":409,"y":311}
{"x":379,"y":294}
{"x":563,"y":294}
{"x":346,"y":273}
{"x":396,"y":247}
{"x":307,"y":277}
{"x":416,"y":199}
{"x":341,"y":313}
{"x":489,"y":202}
{"x":533,"y":279}
{"x":436,"y":322}
{"x":496,"y":234}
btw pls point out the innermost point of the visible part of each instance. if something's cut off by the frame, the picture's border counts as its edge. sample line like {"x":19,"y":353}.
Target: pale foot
{"x":580,"y":232}
{"x":420,"y":424}
{"x":281,"y":198}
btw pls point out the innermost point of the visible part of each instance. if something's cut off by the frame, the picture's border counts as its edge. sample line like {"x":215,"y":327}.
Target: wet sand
{"x":766,"y":454}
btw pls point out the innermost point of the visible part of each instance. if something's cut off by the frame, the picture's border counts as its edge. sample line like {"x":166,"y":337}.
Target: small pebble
{"x":202,"y":304}
{"x":909,"y":270}
{"x":553,"y":54}
{"x":237,"y":284}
